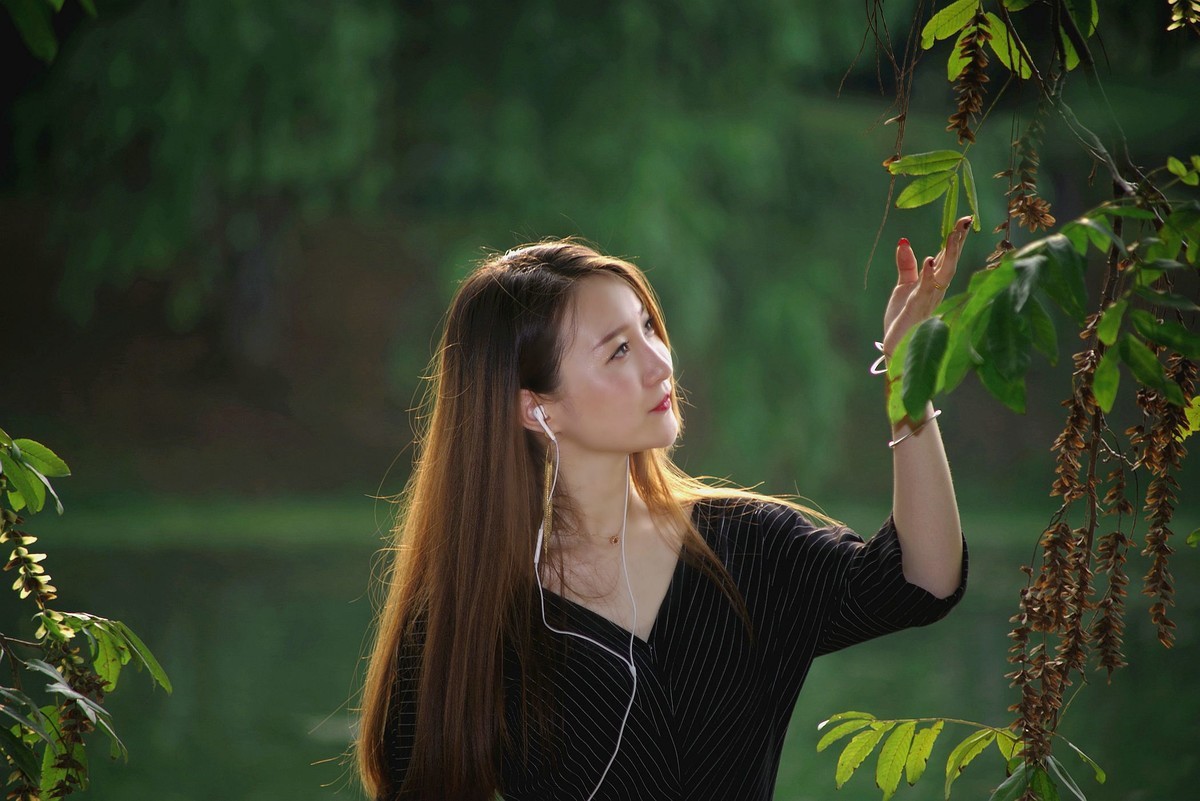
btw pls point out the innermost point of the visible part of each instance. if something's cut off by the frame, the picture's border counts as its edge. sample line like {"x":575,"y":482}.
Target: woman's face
{"x":615,"y":376}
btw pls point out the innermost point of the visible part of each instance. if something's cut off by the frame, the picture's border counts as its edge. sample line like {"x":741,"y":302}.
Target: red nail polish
{"x":903,"y":241}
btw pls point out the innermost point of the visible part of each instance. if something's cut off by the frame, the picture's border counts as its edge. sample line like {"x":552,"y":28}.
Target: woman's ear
{"x":527,"y":402}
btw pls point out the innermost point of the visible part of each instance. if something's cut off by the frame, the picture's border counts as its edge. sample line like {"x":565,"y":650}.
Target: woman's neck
{"x":597,"y":488}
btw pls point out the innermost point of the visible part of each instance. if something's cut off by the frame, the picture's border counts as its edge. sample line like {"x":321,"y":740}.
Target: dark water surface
{"x":263,"y":645}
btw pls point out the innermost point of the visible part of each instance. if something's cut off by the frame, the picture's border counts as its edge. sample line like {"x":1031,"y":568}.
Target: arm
{"x":923,"y":504}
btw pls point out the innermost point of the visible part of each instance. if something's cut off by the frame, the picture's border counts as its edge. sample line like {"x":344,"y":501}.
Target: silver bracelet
{"x":921,"y":425}
{"x":879,"y":366}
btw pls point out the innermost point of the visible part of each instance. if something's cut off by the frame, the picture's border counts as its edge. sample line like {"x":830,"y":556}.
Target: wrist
{"x":908,"y":423}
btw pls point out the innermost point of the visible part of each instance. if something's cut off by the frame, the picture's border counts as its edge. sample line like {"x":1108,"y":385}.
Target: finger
{"x":931,"y":283}
{"x":946,"y":263}
{"x":906,"y":263}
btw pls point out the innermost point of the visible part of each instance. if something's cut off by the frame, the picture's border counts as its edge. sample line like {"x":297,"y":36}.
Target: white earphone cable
{"x":629,"y":663}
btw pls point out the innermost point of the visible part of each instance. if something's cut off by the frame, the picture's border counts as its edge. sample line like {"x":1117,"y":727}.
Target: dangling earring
{"x":547,"y":504}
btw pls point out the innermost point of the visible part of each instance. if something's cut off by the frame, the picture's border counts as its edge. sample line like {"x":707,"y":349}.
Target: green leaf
{"x":1185,"y":220}
{"x":957,"y":61}
{"x":924,"y":189}
{"x":46,"y":461}
{"x":1191,"y":178}
{"x":5,"y":439}
{"x":1106,"y":379}
{"x":143,"y":654}
{"x":841,"y":730}
{"x":964,"y":752}
{"x":895,"y":373}
{"x":960,"y":355}
{"x":117,"y":748}
{"x":1101,"y":776}
{"x":1196,"y":162}
{"x":22,"y":755}
{"x":858,"y":749}
{"x":1041,"y":326}
{"x":109,"y":655}
{"x":18,"y":700}
{"x":1017,"y":5}
{"x":1007,"y":339}
{"x":1062,"y":778}
{"x":1126,"y":211}
{"x":950,"y":207}
{"x":44,"y":668}
{"x":1029,"y":271}
{"x":23,"y":482}
{"x":1010,"y":392}
{"x":947,"y":22}
{"x":984,"y":286}
{"x":1007,"y":744}
{"x":851,"y":715}
{"x":1006,"y":48}
{"x":1086,"y":15}
{"x":922,"y":363}
{"x":1168,"y":333}
{"x":1098,"y":232}
{"x":1168,"y":299}
{"x":1110,"y":322}
{"x":1192,"y":415}
{"x":1164,"y":246}
{"x":32,"y":20}
{"x":1148,"y":369}
{"x":1044,"y":786}
{"x":950,"y":304}
{"x":926,"y":163}
{"x":892,"y":757}
{"x":47,"y":487}
{"x":972,"y":197}
{"x":1176,"y":166}
{"x":1194,"y":538}
{"x":918,"y":755}
{"x":1164,"y":265}
{"x":1012,"y":788}
{"x":51,"y":774}
{"x":1070,"y":57}
{"x":1062,"y":276}
{"x":1078,"y":236}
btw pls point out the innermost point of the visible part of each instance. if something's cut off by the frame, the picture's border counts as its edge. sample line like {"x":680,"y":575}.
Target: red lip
{"x":664,"y":405}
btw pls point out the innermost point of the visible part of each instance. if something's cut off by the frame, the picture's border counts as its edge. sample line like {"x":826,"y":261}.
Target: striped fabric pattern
{"x":713,"y":703}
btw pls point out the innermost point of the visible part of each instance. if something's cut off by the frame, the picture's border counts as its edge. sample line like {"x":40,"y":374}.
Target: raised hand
{"x":918,"y":292}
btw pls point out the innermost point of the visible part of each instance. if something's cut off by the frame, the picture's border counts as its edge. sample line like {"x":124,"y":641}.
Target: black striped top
{"x":712,"y":705}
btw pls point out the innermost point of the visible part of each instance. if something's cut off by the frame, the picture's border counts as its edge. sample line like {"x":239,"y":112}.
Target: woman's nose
{"x":659,"y":367}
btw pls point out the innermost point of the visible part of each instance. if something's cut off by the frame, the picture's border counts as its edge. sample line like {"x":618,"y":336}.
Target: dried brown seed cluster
{"x":1162,"y":454}
{"x":969,"y":88}
{"x":1030,"y":208}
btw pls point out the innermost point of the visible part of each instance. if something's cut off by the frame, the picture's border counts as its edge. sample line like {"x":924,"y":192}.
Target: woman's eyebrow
{"x":608,"y":337}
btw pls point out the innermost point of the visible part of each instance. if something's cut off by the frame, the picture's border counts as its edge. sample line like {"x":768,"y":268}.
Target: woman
{"x":569,"y":615}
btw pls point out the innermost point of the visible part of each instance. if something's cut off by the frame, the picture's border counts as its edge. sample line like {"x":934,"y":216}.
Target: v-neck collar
{"x":604,"y":624}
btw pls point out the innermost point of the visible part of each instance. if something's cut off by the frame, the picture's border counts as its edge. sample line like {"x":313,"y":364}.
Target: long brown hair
{"x":461,"y":578}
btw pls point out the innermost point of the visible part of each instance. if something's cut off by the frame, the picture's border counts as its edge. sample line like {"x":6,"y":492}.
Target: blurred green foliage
{"x":186,"y":143}
{"x":182,"y":141}
{"x":179,"y":139}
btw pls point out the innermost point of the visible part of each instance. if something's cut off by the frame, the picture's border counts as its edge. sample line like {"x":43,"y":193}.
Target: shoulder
{"x":756,"y":523}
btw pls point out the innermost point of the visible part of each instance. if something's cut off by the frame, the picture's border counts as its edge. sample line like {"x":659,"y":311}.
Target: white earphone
{"x":539,"y":414}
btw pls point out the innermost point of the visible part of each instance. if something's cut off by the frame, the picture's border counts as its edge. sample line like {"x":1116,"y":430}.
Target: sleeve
{"x":871,"y":596}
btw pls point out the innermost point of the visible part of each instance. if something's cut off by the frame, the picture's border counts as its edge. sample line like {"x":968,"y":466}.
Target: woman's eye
{"x":649,"y":326}
{"x":621,"y":350}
